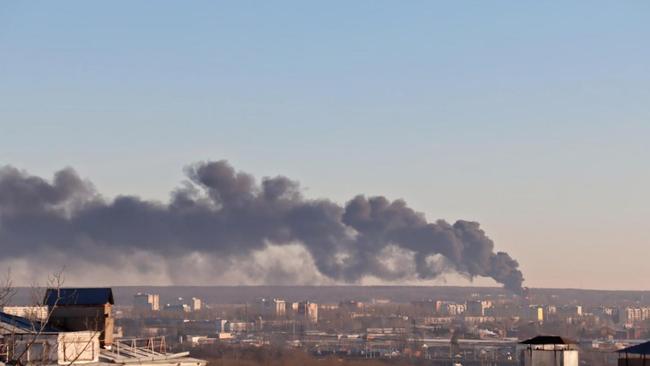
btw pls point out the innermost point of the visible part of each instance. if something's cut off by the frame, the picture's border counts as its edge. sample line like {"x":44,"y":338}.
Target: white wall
{"x":80,"y":347}
{"x":550,"y":358}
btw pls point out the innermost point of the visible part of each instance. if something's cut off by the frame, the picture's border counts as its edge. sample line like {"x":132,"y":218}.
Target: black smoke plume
{"x":226,"y":213}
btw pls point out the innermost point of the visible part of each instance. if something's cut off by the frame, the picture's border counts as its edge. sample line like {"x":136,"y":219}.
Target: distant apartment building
{"x":536,"y":313}
{"x":222,"y":325}
{"x":636,"y":314}
{"x":329,"y":307}
{"x":280,"y":307}
{"x":177,"y":308}
{"x":575,"y":310}
{"x":146,"y":302}
{"x":477,"y":307}
{"x":610,"y":312}
{"x":269,"y":308}
{"x":474,"y":320}
{"x":350,"y":305}
{"x":437,"y":306}
{"x":308,"y":310}
{"x":182,"y":305}
{"x":197,"y":304}
{"x":551,"y":310}
{"x":453,"y":309}
{"x":570,"y":311}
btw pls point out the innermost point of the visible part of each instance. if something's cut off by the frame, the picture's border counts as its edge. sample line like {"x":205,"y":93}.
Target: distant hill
{"x":334,"y":294}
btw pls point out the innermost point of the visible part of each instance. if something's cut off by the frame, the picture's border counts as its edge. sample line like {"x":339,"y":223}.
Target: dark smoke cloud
{"x":224,"y":213}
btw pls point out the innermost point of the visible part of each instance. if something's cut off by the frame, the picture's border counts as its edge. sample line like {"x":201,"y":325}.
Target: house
{"x":35,"y":342}
{"x":79,"y":331}
{"x":82,"y":309}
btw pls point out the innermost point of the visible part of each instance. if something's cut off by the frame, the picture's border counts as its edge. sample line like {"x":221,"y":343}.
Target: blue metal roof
{"x":78,"y":296}
{"x":639,"y":349}
{"x":26,"y":324}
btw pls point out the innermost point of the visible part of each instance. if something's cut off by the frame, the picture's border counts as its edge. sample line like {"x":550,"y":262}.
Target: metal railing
{"x":140,"y":347}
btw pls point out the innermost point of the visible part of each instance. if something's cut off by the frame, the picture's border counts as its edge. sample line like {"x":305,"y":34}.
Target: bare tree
{"x":40,"y":326}
{"x":7,"y":290}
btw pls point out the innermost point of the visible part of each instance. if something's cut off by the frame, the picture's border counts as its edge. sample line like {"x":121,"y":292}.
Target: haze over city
{"x":528,"y":119}
{"x":334,"y":183}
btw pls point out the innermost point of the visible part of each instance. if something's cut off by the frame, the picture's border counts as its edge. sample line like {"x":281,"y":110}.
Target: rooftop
{"x":545,"y":339}
{"x":78,"y":296}
{"x":639,"y":349}
{"x":26,"y":324}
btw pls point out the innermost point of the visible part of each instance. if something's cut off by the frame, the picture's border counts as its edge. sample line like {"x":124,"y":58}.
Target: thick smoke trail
{"x":224,"y":213}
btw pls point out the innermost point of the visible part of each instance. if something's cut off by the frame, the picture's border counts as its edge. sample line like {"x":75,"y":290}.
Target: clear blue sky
{"x":530,"y":117}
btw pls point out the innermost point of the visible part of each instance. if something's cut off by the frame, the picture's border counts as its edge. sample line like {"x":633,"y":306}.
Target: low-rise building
{"x":549,"y":351}
{"x":79,"y":330}
{"x":81,"y":309}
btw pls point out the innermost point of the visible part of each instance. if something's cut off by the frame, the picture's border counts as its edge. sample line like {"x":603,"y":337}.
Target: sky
{"x":531,"y":118}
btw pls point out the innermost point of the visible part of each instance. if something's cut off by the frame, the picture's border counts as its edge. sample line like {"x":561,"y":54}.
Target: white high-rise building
{"x":309,"y":310}
{"x":146,"y":302}
{"x":197,"y":304}
{"x":280,"y":307}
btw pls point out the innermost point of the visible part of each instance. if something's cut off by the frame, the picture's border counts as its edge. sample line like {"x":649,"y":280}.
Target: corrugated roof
{"x":639,"y":349}
{"x":78,"y":296}
{"x":548,"y":340}
{"x":26,"y":324}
